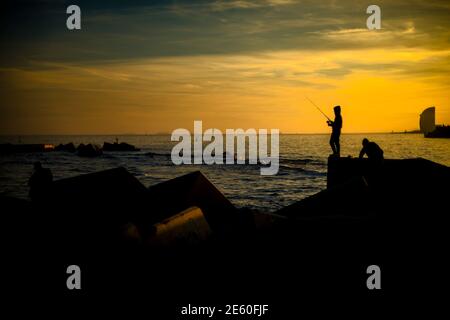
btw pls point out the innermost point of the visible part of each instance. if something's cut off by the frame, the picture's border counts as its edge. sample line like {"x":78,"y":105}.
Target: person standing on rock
{"x":336,"y":126}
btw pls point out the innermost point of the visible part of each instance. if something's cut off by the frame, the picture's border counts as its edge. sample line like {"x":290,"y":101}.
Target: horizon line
{"x":168,"y":134}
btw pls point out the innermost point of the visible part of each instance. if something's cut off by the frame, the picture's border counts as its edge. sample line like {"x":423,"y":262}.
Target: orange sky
{"x":381,"y":86}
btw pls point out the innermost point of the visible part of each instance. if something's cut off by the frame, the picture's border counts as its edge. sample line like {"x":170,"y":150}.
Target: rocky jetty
{"x":89,"y":150}
{"x":69,"y":147}
{"x":7,"y":148}
{"x":123,"y":146}
{"x":184,"y":233}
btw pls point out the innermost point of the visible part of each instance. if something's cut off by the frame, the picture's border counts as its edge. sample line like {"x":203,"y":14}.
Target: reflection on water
{"x":302,"y":164}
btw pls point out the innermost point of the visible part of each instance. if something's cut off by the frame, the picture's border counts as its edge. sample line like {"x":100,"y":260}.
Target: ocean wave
{"x":303,"y":170}
{"x":303,"y":161}
{"x":157,"y":154}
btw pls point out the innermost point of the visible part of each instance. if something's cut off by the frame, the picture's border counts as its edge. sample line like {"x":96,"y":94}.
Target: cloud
{"x":247,"y":4}
{"x":172,"y":60}
{"x":118,"y":31}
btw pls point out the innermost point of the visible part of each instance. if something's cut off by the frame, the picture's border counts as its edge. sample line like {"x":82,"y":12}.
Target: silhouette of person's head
{"x":37,"y":165}
{"x":337,"y":110}
{"x":365,"y":142}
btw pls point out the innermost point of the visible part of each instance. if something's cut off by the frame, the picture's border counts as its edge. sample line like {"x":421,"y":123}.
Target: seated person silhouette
{"x":39,"y":182}
{"x":373,"y":151}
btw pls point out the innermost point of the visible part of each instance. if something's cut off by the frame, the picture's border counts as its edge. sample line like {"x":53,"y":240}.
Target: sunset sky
{"x":154,"y":66}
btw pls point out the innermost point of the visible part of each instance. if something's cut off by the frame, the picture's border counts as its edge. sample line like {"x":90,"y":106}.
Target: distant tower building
{"x":427,"y":120}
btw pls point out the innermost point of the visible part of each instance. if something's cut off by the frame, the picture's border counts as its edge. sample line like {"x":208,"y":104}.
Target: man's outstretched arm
{"x":362,"y":152}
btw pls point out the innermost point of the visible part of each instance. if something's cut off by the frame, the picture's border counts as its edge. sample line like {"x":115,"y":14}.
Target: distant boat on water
{"x":428,"y":125}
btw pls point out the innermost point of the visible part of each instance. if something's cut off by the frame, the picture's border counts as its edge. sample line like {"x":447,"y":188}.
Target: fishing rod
{"x":318,"y":108}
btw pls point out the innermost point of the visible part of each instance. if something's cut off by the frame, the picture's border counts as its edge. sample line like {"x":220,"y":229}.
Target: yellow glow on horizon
{"x":379,"y":90}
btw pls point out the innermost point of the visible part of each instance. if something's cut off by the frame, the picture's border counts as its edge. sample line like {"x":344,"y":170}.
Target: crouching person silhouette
{"x":375,"y":156}
{"x":372,"y":150}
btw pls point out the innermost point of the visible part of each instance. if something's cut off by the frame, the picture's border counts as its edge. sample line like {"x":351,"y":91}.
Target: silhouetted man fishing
{"x":40,"y":181}
{"x":336,"y":126}
{"x":373,"y":151}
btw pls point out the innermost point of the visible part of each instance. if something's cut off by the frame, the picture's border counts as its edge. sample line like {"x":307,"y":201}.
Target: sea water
{"x":302,"y":172}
